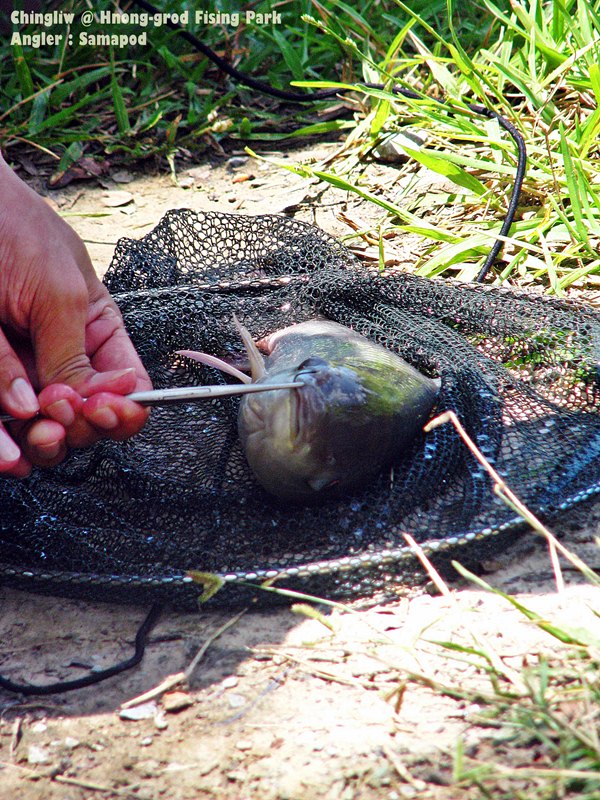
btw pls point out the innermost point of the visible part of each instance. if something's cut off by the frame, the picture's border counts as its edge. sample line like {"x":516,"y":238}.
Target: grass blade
{"x":446,"y":168}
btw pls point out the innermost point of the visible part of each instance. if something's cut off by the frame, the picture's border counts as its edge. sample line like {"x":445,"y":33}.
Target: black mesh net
{"x":129,"y":519}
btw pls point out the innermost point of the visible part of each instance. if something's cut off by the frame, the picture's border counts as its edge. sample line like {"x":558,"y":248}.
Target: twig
{"x":492,"y":656}
{"x":17,"y":733}
{"x":273,"y":684}
{"x":503,"y":491}
{"x":29,"y":99}
{"x":429,"y":568}
{"x":309,"y":598}
{"x":201,"y":653}
{"x":539,"y":772}
{"x":97,"y":787}
{"x":172,"y":681}
{"x":402,"y":771}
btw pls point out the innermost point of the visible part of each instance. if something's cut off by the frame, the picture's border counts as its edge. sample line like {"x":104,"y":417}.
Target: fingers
{"x":92,"y":365}
{"x":16,"y":393}
{"x":107,"y":341}
{"x":60,"y":403}
{"x":114,"y":416}
{"x":103,"y":414}
{"x":116,"y":381}
{"x":106,"y":416}
{"x":69,"y":421}
{"x":57,"y":328}
{"x":12,"y":461}
{"x":42,"y":441}
{"x":45,"y":443}
{"x":18,"y":399}
{"x":72,"y":335}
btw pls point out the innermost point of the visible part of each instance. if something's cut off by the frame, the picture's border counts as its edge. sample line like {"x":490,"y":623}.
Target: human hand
{"x":61,"y":335}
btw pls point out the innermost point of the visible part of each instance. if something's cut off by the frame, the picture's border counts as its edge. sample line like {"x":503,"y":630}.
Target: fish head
{"x":316,"y":439}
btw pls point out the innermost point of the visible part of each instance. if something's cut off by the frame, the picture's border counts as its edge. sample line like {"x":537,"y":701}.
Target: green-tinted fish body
{"x":359,"y":409}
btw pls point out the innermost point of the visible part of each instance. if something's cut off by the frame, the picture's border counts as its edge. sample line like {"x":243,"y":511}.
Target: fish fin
{"x":217,"y":363}
{"x":257,"y":362}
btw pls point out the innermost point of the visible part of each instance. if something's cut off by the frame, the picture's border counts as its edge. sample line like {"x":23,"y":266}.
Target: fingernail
{"x":104,"y":418}
{"x":107,"y":378}
{"x":9,"y":452}
{"x":49,"y":451}
{"x":131,"y":412}
{"x":62,"y":412}
{"x":23,"y":397}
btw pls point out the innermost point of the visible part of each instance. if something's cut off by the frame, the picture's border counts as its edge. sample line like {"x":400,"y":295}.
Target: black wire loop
{"x":93,"y":677}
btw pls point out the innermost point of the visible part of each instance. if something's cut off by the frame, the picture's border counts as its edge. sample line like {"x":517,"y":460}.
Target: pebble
{"x":145,"y":793}
{"x":160,"y":721}
{"x":143,"y":711}
{"x":117,"y":198}
{"x":244,"y":744}
{"x":236,"y":700}
{"x":235,"y":162}
{"x":70,"y":743}
{"x":122,"y":176}
{"x":236,"y":775}
{"x":39,"y":727}
{"x":391,"y":149}
{"x":408,"y":792}
{"x":176,"y":701}
{"x":146,"y":741}
{"x":37,"y":755}
{"x":230,"y":682}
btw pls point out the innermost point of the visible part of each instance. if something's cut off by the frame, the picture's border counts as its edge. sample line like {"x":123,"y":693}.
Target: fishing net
{"x":126,"y":520}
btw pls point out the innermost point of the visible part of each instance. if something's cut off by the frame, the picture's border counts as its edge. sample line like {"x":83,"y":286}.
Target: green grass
{"x":537,"y":63}
{"x":150,"y":100}
{"x":554,"y":714}
{"x":538,"y":66}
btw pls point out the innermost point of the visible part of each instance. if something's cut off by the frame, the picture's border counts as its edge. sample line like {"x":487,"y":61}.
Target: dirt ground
{"x":280,"y":707}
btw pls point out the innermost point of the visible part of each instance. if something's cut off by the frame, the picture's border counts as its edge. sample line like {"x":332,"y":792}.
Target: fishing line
{"x":324,"y":94}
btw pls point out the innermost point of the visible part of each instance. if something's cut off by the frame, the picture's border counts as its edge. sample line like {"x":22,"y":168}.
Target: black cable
{"x":240,"y":77}
{"x":513,"y":203}
{"x":92,"y":677}
{"x":311,"y":97}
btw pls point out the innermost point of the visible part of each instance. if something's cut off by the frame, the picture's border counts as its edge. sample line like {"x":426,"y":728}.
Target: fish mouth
{"x":302,"y":408}
{"x":308,"y":403}
{"x":295,"y":413}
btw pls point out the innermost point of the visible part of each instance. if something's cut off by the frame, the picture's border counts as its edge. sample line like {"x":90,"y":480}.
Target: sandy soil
{"x":280,"y":707}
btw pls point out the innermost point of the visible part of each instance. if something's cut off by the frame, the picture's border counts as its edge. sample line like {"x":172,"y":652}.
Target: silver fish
{"x":360,"y":407}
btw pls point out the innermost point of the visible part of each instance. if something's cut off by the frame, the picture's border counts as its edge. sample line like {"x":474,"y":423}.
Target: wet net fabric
{"x":129,"y":519}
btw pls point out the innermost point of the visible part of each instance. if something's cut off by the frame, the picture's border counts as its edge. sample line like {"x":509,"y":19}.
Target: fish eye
{"x":311,"y":363}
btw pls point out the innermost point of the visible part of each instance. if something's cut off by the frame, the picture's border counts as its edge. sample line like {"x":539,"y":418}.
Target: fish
{"x":358,"y":410}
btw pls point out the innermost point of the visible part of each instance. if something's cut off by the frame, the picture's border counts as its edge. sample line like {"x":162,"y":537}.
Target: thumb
{"x":58,"y":330}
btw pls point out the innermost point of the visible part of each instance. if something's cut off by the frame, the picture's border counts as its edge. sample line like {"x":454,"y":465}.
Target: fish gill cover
{"x":128,"y":519}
